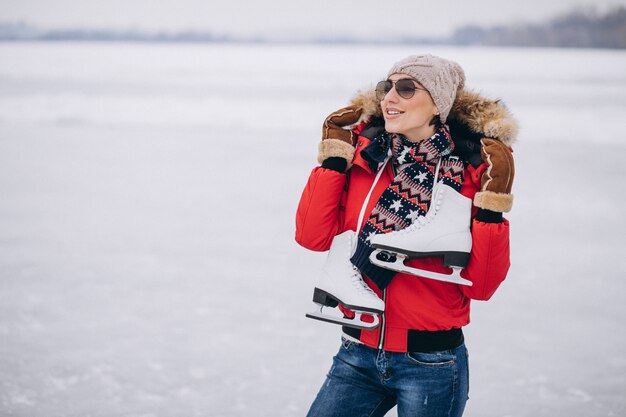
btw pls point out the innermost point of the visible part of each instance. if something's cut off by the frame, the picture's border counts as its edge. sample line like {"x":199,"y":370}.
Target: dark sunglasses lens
{"x":405,"y":88}
{"x":382,"y":88}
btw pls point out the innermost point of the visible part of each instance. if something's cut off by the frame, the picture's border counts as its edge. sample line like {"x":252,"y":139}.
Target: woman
{"x":439,"y":134}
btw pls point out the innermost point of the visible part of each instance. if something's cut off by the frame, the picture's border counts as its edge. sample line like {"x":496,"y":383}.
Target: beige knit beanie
{"x":441,"y":77}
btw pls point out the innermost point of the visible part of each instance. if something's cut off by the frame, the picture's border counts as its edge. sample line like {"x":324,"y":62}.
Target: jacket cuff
{"x":336,"y":164}
{"x":488,"y":216}
{"x":334,"y":147}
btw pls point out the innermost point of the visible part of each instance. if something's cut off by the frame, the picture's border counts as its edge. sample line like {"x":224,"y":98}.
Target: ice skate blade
{"x":396,"y":263}
{"x":451,"y":259}
{"x":356,"y":322}
{"x":326,"y":299}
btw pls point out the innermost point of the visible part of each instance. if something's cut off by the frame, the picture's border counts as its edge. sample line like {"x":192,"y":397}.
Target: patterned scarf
{"x":409,"y":194}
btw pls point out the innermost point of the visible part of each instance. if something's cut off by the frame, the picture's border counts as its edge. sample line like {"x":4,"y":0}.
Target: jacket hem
{"x":422,"y":340}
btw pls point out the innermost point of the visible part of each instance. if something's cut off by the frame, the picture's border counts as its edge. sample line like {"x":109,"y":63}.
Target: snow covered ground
{"x":147,"y":199}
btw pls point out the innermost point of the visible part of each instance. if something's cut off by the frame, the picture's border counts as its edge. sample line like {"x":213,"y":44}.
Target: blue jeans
{"x":366,"y":382}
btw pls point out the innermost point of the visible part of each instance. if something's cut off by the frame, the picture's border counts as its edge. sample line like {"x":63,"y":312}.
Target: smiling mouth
{"x":393,"y":113}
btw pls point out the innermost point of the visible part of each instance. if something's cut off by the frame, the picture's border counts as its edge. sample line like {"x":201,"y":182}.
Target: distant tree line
{"x":576,"y":29}
{"x":21,"y":31}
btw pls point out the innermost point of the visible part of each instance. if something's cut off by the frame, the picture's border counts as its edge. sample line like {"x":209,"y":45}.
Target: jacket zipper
{"x":381,"y":338}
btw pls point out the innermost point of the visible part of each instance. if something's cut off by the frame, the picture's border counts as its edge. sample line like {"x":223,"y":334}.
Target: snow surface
{"x":147,"y":200}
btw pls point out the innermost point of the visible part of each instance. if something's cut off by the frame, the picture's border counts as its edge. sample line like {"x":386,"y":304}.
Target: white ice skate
{"x":443,"y":231}
{"x":342,"y":283}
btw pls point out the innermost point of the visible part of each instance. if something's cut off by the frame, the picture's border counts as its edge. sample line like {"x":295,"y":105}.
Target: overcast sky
{"x":281,"y":17}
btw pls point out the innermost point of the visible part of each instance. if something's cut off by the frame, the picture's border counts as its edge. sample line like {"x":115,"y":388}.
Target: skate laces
{"x":358,"y":283}
{"x":422,"y":221}
{"x":356,"y":278}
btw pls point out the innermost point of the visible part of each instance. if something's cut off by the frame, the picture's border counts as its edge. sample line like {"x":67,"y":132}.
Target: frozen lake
{"x":147,"y":200}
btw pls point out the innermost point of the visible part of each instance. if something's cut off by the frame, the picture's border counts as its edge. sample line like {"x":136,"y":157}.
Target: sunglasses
{"x":404,"y":87}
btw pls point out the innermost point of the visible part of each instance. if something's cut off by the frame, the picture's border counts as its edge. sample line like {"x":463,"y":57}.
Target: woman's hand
{"x":497,"y":180}
{"x":337,"y":143}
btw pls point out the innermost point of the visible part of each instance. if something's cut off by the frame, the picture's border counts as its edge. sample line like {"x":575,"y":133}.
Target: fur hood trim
{"x":483,"y":116}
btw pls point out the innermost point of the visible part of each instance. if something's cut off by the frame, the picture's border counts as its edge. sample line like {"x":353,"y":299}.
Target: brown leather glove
{"x":497,"y":180}
{"x":337,"y":141}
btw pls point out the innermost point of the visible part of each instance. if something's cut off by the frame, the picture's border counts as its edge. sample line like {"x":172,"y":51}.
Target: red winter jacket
{"x":331,"y":203}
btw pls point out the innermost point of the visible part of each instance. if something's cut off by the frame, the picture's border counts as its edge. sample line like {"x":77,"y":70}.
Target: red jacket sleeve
{"x":318,"y":217}
{"x":489,"y":259}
